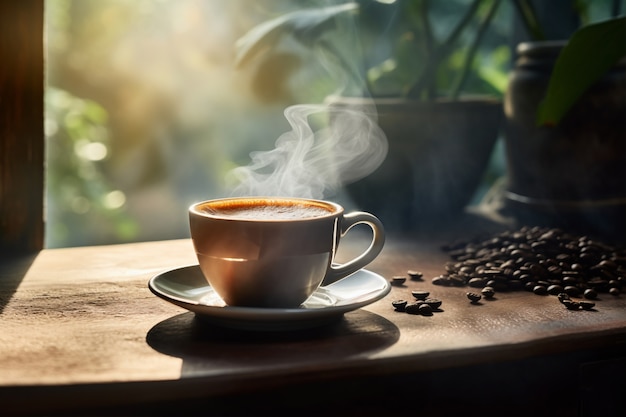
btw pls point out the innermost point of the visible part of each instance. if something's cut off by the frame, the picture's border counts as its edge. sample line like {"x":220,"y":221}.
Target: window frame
{"x":21,"y":126}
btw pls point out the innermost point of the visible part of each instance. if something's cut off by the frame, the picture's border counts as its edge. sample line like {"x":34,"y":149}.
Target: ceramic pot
{"x":438,"y":152}
{"x":572,"y":175}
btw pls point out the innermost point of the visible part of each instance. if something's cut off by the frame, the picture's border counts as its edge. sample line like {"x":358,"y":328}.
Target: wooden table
{"x":80,"y":333}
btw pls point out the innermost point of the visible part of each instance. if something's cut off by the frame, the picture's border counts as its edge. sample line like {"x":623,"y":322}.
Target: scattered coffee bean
{"x":563,"y":297}
{"x":569,"y":280}
{"x":555,"y":289}
{"x":413,"y":308}
{"x":420,"y":295}
{"x":540,"y":289}
{"x":572,"y":291}
{"x":587,"y":305}
{"x":399,"y":305}
{"x":488,"y":292}
{"x":590,"y":294}
{"x":614,"y":291}
{"x":571,"y":305}
{"x":415,"y":275}
{"x":433,"y":303}
{"x":473,"y":297}
{"x":397,"y":280}
{"x":425,"y":310}
{"x":441,"y":280}
{"x":477,"y":282}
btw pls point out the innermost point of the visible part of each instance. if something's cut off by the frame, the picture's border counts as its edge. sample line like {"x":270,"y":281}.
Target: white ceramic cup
{"x":274,"y":252}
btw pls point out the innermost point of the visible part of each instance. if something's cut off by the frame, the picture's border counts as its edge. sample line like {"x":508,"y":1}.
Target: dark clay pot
{"x":572,"y":175}
{"x":438,"y":152}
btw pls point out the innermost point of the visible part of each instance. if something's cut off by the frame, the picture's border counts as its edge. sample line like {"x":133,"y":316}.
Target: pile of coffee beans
{"x":542,"y":260}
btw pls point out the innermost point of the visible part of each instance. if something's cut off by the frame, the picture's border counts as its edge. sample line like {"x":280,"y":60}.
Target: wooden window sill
{"x":80,"y":330}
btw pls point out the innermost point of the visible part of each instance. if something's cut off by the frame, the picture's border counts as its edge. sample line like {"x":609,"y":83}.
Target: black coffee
{"x":272,"y":212}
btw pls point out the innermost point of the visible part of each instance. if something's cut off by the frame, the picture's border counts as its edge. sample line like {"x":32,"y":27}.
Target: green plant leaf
{"x":590,"y":53}
{"x":307,"y":26}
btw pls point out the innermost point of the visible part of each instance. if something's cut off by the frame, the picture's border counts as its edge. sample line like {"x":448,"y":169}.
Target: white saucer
{"x":187,"y":288}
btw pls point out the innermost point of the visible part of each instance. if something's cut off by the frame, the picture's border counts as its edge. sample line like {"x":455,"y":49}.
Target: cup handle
{"x":335,"y":273}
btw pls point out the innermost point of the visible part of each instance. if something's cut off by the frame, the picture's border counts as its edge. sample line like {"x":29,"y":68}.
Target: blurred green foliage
{"x":83,"y":207}
{"x":145,"y":112}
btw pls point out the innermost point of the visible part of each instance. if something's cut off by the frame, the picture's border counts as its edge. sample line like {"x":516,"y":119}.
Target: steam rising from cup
{"x":307,"y":162}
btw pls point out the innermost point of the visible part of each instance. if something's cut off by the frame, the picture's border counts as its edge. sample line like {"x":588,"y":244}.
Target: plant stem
{"x":428,"y":77}
{"x":429,"y":43}
{"x":471,"y":54}
{"x":530,"y":19}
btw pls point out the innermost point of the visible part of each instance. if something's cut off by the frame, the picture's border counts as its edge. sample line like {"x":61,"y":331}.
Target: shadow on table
{"x":13,"y":269}
{"x":204,"y":346}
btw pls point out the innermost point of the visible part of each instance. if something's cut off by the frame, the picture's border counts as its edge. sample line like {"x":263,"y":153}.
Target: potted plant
{"x":565,"y":134}
{"x":439,"y":140}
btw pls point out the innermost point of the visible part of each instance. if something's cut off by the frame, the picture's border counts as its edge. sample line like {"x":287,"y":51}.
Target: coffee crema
{"x":269,"y":211}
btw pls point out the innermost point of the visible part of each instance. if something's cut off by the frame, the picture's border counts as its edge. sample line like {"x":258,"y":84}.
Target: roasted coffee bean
{"x":466,"y":269}
{"x":563,"y":297}
{"x":508,"y":264}
{"x":571,"y":305}
{"x":599,"y":283}
{"x":477,"y":282}
{"x":540,"y":290}
{"x":563,"y":257}
{"x":433,"y":302}
{"x":555,"y":270}
{"x":420,"y":295}
{"x":570,"y":280}
{"x":488,"y":292}
{"x":452,"y":266}
{"x":413,"y":308}
{"x":614,"y":291}
{"x":590,"y":294}
{"x":607,"y":264}
{"x":457,"y":281}
{"x":415,"y":275}
{"x":537,"y":270}
{"x":589,"y":258}
{"x":586,"y":305}
{"x":397,"y":280}
{"x":441,"y":280}
{"x":572,"y":291}
{"x":555,"y":289}
{"x":473,"y":297}
{"x":425,"y":310}
{"x":497,"y":285}
{"x":491,"y":272}
{"x":399,"y":305}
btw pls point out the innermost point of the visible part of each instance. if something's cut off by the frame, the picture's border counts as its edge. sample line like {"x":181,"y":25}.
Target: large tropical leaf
{"x":590,"y":53}
{"x":307,"y":26}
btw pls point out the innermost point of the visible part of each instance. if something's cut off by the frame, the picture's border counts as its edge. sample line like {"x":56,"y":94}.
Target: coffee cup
{"x":275,"y":252}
